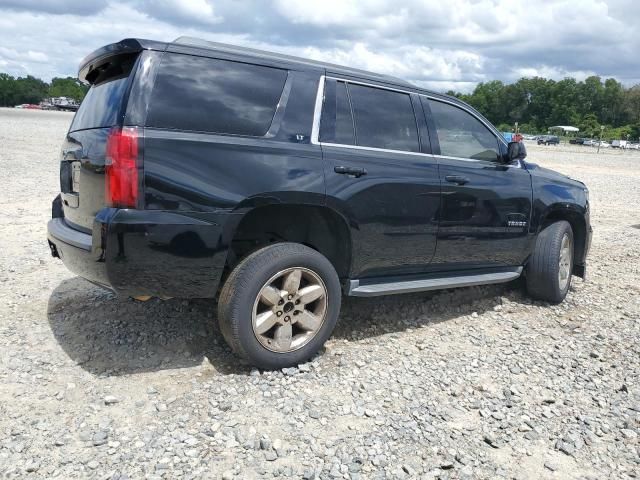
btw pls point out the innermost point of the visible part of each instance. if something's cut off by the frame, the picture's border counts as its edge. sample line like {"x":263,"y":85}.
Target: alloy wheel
{"x":289,"y":310}
{"x":565,"y":262}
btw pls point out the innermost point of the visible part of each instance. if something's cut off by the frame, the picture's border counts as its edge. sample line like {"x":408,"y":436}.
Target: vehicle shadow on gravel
{"x":370,"y":317}
{"x":112,"y":336}
{"x":108,"y":335}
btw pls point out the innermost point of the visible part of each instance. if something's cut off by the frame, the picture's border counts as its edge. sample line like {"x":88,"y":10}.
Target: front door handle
{"x":355,"y":171}
{"x":458,"y":179}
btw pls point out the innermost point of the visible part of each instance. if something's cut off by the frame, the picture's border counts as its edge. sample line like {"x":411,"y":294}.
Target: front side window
{"x":383,"y":118}
{"x":212,"y":95}
{"x":462,"y":135}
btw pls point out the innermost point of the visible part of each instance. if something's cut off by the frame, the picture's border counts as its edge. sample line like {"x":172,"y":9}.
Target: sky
{"x":442,"y":45}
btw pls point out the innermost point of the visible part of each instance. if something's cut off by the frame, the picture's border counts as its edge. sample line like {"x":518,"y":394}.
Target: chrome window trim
{"x":317,"y":113}
{"x":449,"y":157}
{"x":315,"y":130}
{"x":278,"y":115}
{"x":375,"y":149}
{"x":317,"y":110}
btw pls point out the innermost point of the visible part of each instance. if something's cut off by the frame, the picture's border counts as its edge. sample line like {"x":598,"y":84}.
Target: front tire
{"x":279,"y":305}
{"x":548,"y":273}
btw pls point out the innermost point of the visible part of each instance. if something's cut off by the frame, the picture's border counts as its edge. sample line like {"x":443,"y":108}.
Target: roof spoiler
{"x":99,"y":60}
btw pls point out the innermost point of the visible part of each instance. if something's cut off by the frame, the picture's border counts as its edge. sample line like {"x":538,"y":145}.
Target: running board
{"x":359,"y":289}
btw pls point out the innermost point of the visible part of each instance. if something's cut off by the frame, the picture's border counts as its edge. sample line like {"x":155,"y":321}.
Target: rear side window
{"x":344,"y":120}
{"x":337,"y":121}
{"x":211,"y":95}
{"x":383,"y":119}
{"x":462,"y":135}
{"x":103,"y":102}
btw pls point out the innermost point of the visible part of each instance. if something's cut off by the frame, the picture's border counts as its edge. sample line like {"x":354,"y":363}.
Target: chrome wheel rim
{"x":564,"y":270}
{"x":290,"y":310}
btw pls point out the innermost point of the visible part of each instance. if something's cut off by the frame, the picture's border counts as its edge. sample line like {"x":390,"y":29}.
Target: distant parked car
{"x":633,"y":146}
{"x":548,"y":140}
{"x":589,"y":142}
{"x":602,"y":143}
{"x":619,"y":144}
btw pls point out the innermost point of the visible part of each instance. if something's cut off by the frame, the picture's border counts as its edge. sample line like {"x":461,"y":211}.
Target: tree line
{"x":539,"y":103}
{"x":16,"y":91}
{"x":535,"y":103}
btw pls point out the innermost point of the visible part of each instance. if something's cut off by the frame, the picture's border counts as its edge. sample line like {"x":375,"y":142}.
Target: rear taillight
{"x":121,"y":168}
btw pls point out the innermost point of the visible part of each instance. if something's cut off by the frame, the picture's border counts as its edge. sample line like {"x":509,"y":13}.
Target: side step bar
{"x":359,"y":289}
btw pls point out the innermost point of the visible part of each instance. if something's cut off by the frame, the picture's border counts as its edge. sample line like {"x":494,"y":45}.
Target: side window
{"x":384,"y":119}
{"x":336,"y":120}
{"x":344,"y":120}
{"x":211,"y":95}
{"x":460,"y":134}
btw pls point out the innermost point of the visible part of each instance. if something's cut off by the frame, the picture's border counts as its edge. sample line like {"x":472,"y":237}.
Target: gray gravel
{"x":469,"y":383}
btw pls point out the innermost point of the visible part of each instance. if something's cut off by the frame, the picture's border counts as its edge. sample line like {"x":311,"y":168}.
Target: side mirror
{"x":516,"y":151}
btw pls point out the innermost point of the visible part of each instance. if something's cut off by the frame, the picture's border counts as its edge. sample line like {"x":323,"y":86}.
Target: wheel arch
{"x":316,"y":226}
{"x":578,"y":223}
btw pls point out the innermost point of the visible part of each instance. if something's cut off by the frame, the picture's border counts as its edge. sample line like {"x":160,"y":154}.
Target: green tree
{"x":631,"y":105}
{"x":589,"y":126}
{"x":67,"y":87}
{"x":16,"y":91}
{"x":613,"y":101}
{"x":590,"y":96}
{"x":7,"y":90}
{"x":487,"y":98}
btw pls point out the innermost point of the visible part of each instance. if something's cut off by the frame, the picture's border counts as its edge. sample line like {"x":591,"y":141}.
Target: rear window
{"x":212,"y":95}
{"x":103,"y":101}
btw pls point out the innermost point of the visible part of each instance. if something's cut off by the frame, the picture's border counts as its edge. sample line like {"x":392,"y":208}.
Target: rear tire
{"x":279,"y":305}
{"x":548,"y":273}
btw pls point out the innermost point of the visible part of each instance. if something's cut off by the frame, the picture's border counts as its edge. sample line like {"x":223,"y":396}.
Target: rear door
{"x":82,"y":165}
{"x":380,"y":175}
{"x":486,"y":203}
{"x":228,"y":133}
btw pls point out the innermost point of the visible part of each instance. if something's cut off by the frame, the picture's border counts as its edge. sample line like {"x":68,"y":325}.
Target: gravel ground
{"x":468,"y":383}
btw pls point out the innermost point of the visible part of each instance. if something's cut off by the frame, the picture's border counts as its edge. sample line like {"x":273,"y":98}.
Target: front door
{"x":486,"y":203}
{"x":380,"y":176}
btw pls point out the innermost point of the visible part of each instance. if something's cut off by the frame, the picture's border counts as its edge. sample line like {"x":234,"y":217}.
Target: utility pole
{"x":600,"y":139}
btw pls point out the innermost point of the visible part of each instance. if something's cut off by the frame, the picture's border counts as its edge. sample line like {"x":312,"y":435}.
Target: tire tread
{"x":243,"y":276}
{"x":542,"y":269}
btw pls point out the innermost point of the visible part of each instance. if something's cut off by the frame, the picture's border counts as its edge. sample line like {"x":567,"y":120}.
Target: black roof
{"x":100,"y":58}
{"x":279,"y":57}
{"x":184,"y":44}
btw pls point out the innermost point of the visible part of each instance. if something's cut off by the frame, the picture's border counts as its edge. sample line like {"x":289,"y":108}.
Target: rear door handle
{"x":460,"y":180}
{"x":355,"y":171}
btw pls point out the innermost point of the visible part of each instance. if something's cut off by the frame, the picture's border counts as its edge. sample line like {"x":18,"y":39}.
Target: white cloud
{"x":37,"y":56}
{"x":194,"y":12}
{"x":442,"y":45}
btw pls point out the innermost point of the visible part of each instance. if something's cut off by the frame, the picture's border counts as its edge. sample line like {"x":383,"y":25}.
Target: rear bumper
{"x":74,"y":248}
{"x":146,"y":252}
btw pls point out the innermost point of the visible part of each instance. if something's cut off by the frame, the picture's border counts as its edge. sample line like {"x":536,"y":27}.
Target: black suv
{"x":279,"y":184}
{"x":548,"y":140}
